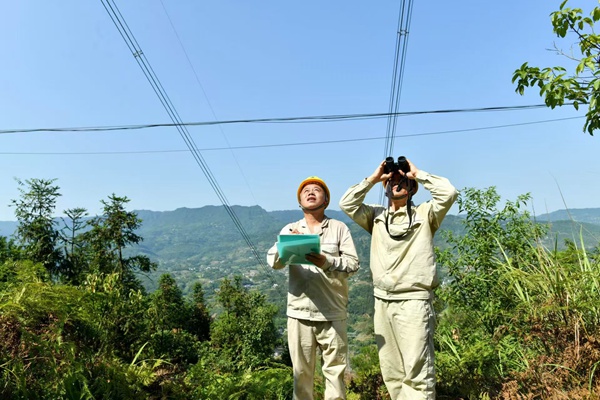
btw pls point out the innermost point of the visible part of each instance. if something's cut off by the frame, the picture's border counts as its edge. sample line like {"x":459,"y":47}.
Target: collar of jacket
{"x":304,"y":226}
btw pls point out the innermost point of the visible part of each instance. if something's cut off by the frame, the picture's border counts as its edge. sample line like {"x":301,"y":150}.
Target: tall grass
{"x":515,"y":318}
{"x":547,"y":344}
{"x":561,"y":286}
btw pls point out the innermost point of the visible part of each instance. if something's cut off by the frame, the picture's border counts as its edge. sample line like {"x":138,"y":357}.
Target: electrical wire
{"x":187,"y":57}
{"x":320,"y":142}
{"x":127,"y":35}
{"x":403,"y":28}
{"x":287,"y":120}
{"x":400,"y":51}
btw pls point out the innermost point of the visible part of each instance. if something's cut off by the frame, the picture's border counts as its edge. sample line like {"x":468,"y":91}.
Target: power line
{"x":304,"y":119}
{"x":121,"y":25}
{"x":402,"y":31}
{"x":320,"y":142}
{"x":404,"y":17}
{"x":240,"y":169}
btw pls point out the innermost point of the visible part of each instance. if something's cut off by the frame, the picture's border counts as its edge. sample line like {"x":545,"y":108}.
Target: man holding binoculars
{"x":404,"y":270}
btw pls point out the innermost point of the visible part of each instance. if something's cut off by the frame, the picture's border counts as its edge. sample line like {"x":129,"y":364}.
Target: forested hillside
{"x":198,"y":238}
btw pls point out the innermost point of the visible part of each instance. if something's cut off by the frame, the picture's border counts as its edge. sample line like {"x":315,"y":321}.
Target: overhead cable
{"x":402,"y":31}
{"x":240,"y":169}
{"x":288,"y":120}
{"x":319,"y":142}
{"x":144,"y":64}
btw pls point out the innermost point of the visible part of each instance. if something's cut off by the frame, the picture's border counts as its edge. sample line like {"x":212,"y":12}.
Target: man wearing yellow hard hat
{"x":317,"y":298}
{"x":404,"y":270}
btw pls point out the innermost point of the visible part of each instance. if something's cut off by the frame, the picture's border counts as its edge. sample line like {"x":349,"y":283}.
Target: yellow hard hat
{"x":318,"y":181}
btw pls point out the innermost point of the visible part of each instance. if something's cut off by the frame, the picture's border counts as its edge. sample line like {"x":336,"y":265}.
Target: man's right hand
{"x":379,"y":174}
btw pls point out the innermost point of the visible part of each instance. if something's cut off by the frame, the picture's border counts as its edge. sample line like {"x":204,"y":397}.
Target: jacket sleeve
{"x":443,"y":196}
{"x":347,"y":262}
{"x":273,"y":255}
{"x":352,"y":204}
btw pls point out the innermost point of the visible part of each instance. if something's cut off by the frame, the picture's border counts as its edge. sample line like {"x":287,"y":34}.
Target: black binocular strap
{"x":387,"y":217}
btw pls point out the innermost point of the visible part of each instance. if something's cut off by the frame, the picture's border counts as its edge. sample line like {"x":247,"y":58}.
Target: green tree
{"x":472,"y":260}
{"x":8,"y":249}
{"x":199,"y":321}
{"x":109,"y":237}
{"x":580,"y":86}
{"x":177,"y":324}
{"x":244,"y":333}
{"x":168,"y":309}
{"x":475,"y":310}
{"x":121,"y":313}
{"x":74,"y":264}
{"x":36,"y":230}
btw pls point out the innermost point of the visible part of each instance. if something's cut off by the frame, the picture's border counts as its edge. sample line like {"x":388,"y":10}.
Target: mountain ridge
{"x":212,"y":216}
{"x":204,"y":243}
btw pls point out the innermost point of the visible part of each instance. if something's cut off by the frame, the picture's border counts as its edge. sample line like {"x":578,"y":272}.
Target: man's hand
{"x":412,"y":174}
{"x":318,"y":259}
{"x":379,"y":174}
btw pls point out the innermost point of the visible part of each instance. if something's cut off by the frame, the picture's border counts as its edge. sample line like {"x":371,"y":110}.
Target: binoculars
{"x":394,"y":167}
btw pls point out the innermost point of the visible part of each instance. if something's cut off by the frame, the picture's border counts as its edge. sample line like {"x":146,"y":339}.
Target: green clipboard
{"x":293,"y":248}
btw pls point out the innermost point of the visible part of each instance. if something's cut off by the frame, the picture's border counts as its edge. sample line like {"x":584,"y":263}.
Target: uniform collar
{"x":401,"y":210}
{"x":304,"y":225}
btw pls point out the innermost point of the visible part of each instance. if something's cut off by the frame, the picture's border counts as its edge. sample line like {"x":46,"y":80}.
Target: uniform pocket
{"x":333,"y":249}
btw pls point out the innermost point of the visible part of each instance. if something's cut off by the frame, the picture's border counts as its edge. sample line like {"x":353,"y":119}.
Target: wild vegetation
{"x":517,"y":319}
{"x":580,"y":86}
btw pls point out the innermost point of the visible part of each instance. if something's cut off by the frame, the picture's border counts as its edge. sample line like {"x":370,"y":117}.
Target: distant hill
{"x":7,"y":228}
{"x":203,"y":243}
{"x":199,"y":234}
{"x":588,"y":215}
{"x":577,"y":232}
{"x":193,"y":233}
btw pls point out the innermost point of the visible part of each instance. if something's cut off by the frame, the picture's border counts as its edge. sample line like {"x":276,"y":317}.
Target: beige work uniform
{"x":404,"y":276}
{"x":317,"y":304}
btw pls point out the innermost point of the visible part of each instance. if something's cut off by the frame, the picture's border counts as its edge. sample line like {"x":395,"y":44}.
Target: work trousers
{"x":404,"y":334}
{"x":330,"y":336}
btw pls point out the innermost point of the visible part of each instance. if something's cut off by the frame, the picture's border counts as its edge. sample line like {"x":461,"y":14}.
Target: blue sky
{"x":66,"y":65}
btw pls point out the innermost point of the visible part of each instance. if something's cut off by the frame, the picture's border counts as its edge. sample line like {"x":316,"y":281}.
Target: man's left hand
{"x":318,"y":259}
